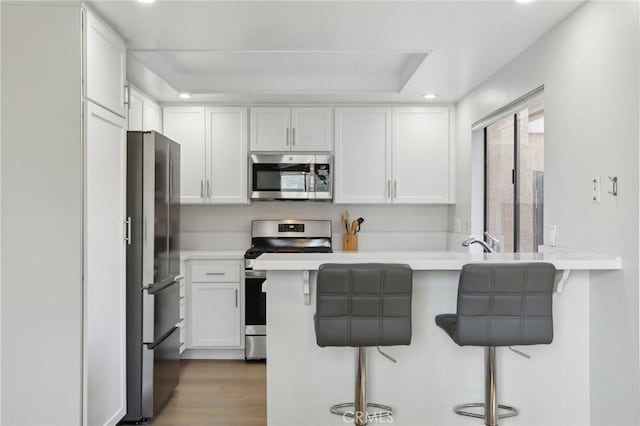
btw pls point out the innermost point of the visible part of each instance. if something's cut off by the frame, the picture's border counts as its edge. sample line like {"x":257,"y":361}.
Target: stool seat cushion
{"x":503,"y":305}
{"x":364,"y":304}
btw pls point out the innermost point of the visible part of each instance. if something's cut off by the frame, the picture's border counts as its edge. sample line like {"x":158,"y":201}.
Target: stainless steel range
{"x":275,"y":236}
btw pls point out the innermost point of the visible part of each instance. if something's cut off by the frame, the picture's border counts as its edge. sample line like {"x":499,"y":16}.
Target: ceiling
{"x":339,"y":51}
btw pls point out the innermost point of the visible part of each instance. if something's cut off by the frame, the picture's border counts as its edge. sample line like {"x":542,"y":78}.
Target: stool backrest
{"x":505,"y":304}
{"x":363,"y":304}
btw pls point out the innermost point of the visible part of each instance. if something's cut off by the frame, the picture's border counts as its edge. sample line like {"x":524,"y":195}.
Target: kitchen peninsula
{"x":432,"y":374}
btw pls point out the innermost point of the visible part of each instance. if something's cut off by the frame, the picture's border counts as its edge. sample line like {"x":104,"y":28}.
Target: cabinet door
{"x":362,"y":155}
{"x":311,"y":129}
{"x":105,"y":54}
{"x":151,"y":116}
{"x":105,"y":280}
{"x":270,"y":129}
{"x":215,"y":315}
{"x":185,"y":125}
{"x":227,"y":155}
{"x":421,"y":155}
{"x":135,"y":111}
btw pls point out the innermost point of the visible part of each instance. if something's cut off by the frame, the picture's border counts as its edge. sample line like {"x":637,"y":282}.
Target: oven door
{"x":255,"y":315}
{"x":282,"y":177}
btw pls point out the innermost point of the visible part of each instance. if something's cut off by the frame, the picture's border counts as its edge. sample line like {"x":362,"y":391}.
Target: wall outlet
{"x":595,"y":189}
{"x":457,"y":225}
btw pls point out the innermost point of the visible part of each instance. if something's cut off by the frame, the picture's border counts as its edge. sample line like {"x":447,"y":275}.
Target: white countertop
{"x":212,"y":255}
{"x":563,"y":259}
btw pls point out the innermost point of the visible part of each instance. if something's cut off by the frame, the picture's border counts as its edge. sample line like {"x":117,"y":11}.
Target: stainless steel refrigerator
{"x":153,"y":266}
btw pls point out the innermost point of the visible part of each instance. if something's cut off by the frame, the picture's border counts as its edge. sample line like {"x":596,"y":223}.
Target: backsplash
{"x":386,"y":227}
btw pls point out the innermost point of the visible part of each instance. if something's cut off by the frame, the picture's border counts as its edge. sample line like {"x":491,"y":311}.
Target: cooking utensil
{"x":359,"y":220}
{"x":354,"y":225}
{"x":345,"y":220}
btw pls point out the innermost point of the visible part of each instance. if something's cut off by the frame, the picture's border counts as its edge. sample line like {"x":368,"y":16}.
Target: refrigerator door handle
{"x":127,"y":237}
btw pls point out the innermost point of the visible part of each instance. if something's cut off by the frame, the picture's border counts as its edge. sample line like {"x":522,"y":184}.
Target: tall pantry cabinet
{"x":105,"y":126}
{"x":63,"y":206}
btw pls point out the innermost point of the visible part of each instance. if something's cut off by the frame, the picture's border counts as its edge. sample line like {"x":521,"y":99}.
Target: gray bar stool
{"x":361,"y":305}
{"x":500,"y":305}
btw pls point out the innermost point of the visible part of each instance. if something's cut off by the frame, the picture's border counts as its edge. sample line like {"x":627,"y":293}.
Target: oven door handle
{"x":255,"y":274}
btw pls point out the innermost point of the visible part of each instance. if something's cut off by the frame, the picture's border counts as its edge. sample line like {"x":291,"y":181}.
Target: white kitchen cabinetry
{"x":105,"y":280}
{"x":214,"y":305}
{"x":144,"y":114}
{"x":375,"y":165}
{"x":136,"y":106}
{"x":105,"y":55}
{"x":420,"y":155}
{"x":362,"y":155}
{"x":291,"y":129}
{"x":227,"y":151}
{"x":214,"y":152}
{"x":185,"y":125}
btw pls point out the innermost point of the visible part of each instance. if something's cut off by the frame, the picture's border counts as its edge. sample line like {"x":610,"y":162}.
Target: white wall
{"x":394,"y":227}
{"x":589,"y":66}
{"x":41,"y":200}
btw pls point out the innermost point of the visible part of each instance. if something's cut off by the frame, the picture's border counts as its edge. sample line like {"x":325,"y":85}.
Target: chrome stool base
{"x":343,"y":410}
{"x":460,"y":410}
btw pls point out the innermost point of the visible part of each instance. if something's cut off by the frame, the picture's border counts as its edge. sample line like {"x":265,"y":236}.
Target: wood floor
{"x":217,"y":393}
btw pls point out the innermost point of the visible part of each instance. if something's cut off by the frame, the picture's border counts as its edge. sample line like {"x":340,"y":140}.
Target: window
{"x":514,"y":179}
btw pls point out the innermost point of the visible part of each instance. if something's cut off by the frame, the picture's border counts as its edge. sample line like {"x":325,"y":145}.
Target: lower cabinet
{"x":214,"y":305}
{"x":215,"y":315}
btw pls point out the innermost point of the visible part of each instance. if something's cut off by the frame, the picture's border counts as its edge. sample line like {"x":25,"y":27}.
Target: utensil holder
{"x":349,"y":242}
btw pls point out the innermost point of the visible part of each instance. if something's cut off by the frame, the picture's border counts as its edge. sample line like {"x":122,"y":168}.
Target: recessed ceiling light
{"x":185,"y":95}
{"x":146,"y":1}
{"x":430,"y":96}
{"x":524,"y":1}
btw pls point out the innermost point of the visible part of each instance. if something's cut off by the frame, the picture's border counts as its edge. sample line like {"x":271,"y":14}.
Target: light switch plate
{"x":595,"y":189}
{"x":458,"y":225}
{"x":553,"y":235}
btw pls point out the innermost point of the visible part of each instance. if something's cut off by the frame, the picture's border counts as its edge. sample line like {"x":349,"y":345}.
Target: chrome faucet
{"x":473,"y":240}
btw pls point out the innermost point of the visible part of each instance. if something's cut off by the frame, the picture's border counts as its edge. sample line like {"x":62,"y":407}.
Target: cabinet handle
{"x":216,"y":273}
{"x":208,"y":189}
{"x":389,"y":188}
{"x":236,"y":297}
{"x":201,"y":189}
{"x":127,"y":237}
{"x":395,"y":189}
{"x":127,"y":95}
{"x":293,"y":137}
{"x":286,"y":142}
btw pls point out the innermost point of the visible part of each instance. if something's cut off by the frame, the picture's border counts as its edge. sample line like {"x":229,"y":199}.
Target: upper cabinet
{"x":420,"y":155}
{"x":227,"y":153}
{"x":185,"y":125}
{"x":409,"y":165}
{"x":143,"y":113}
{"x":291,"y":129}
{"x":105,"y":54}
{"x":214,"y":152}
{"x":362,"y":155}
{"x":270,"y":129}
{"x":311,"y":129}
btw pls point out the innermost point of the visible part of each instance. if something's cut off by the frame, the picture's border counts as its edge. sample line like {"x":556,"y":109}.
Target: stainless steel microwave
{"x":291,"y":177}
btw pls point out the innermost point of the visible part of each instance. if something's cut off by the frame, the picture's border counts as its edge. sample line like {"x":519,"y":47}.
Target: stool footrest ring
{"x":460,"y":410}
{"x":343,"y":410}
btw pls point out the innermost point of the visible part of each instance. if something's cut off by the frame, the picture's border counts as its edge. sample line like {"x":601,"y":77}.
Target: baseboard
{"x":212,"y":354}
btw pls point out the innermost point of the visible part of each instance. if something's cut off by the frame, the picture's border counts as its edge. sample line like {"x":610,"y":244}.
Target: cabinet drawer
{"x":215,"y":272}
